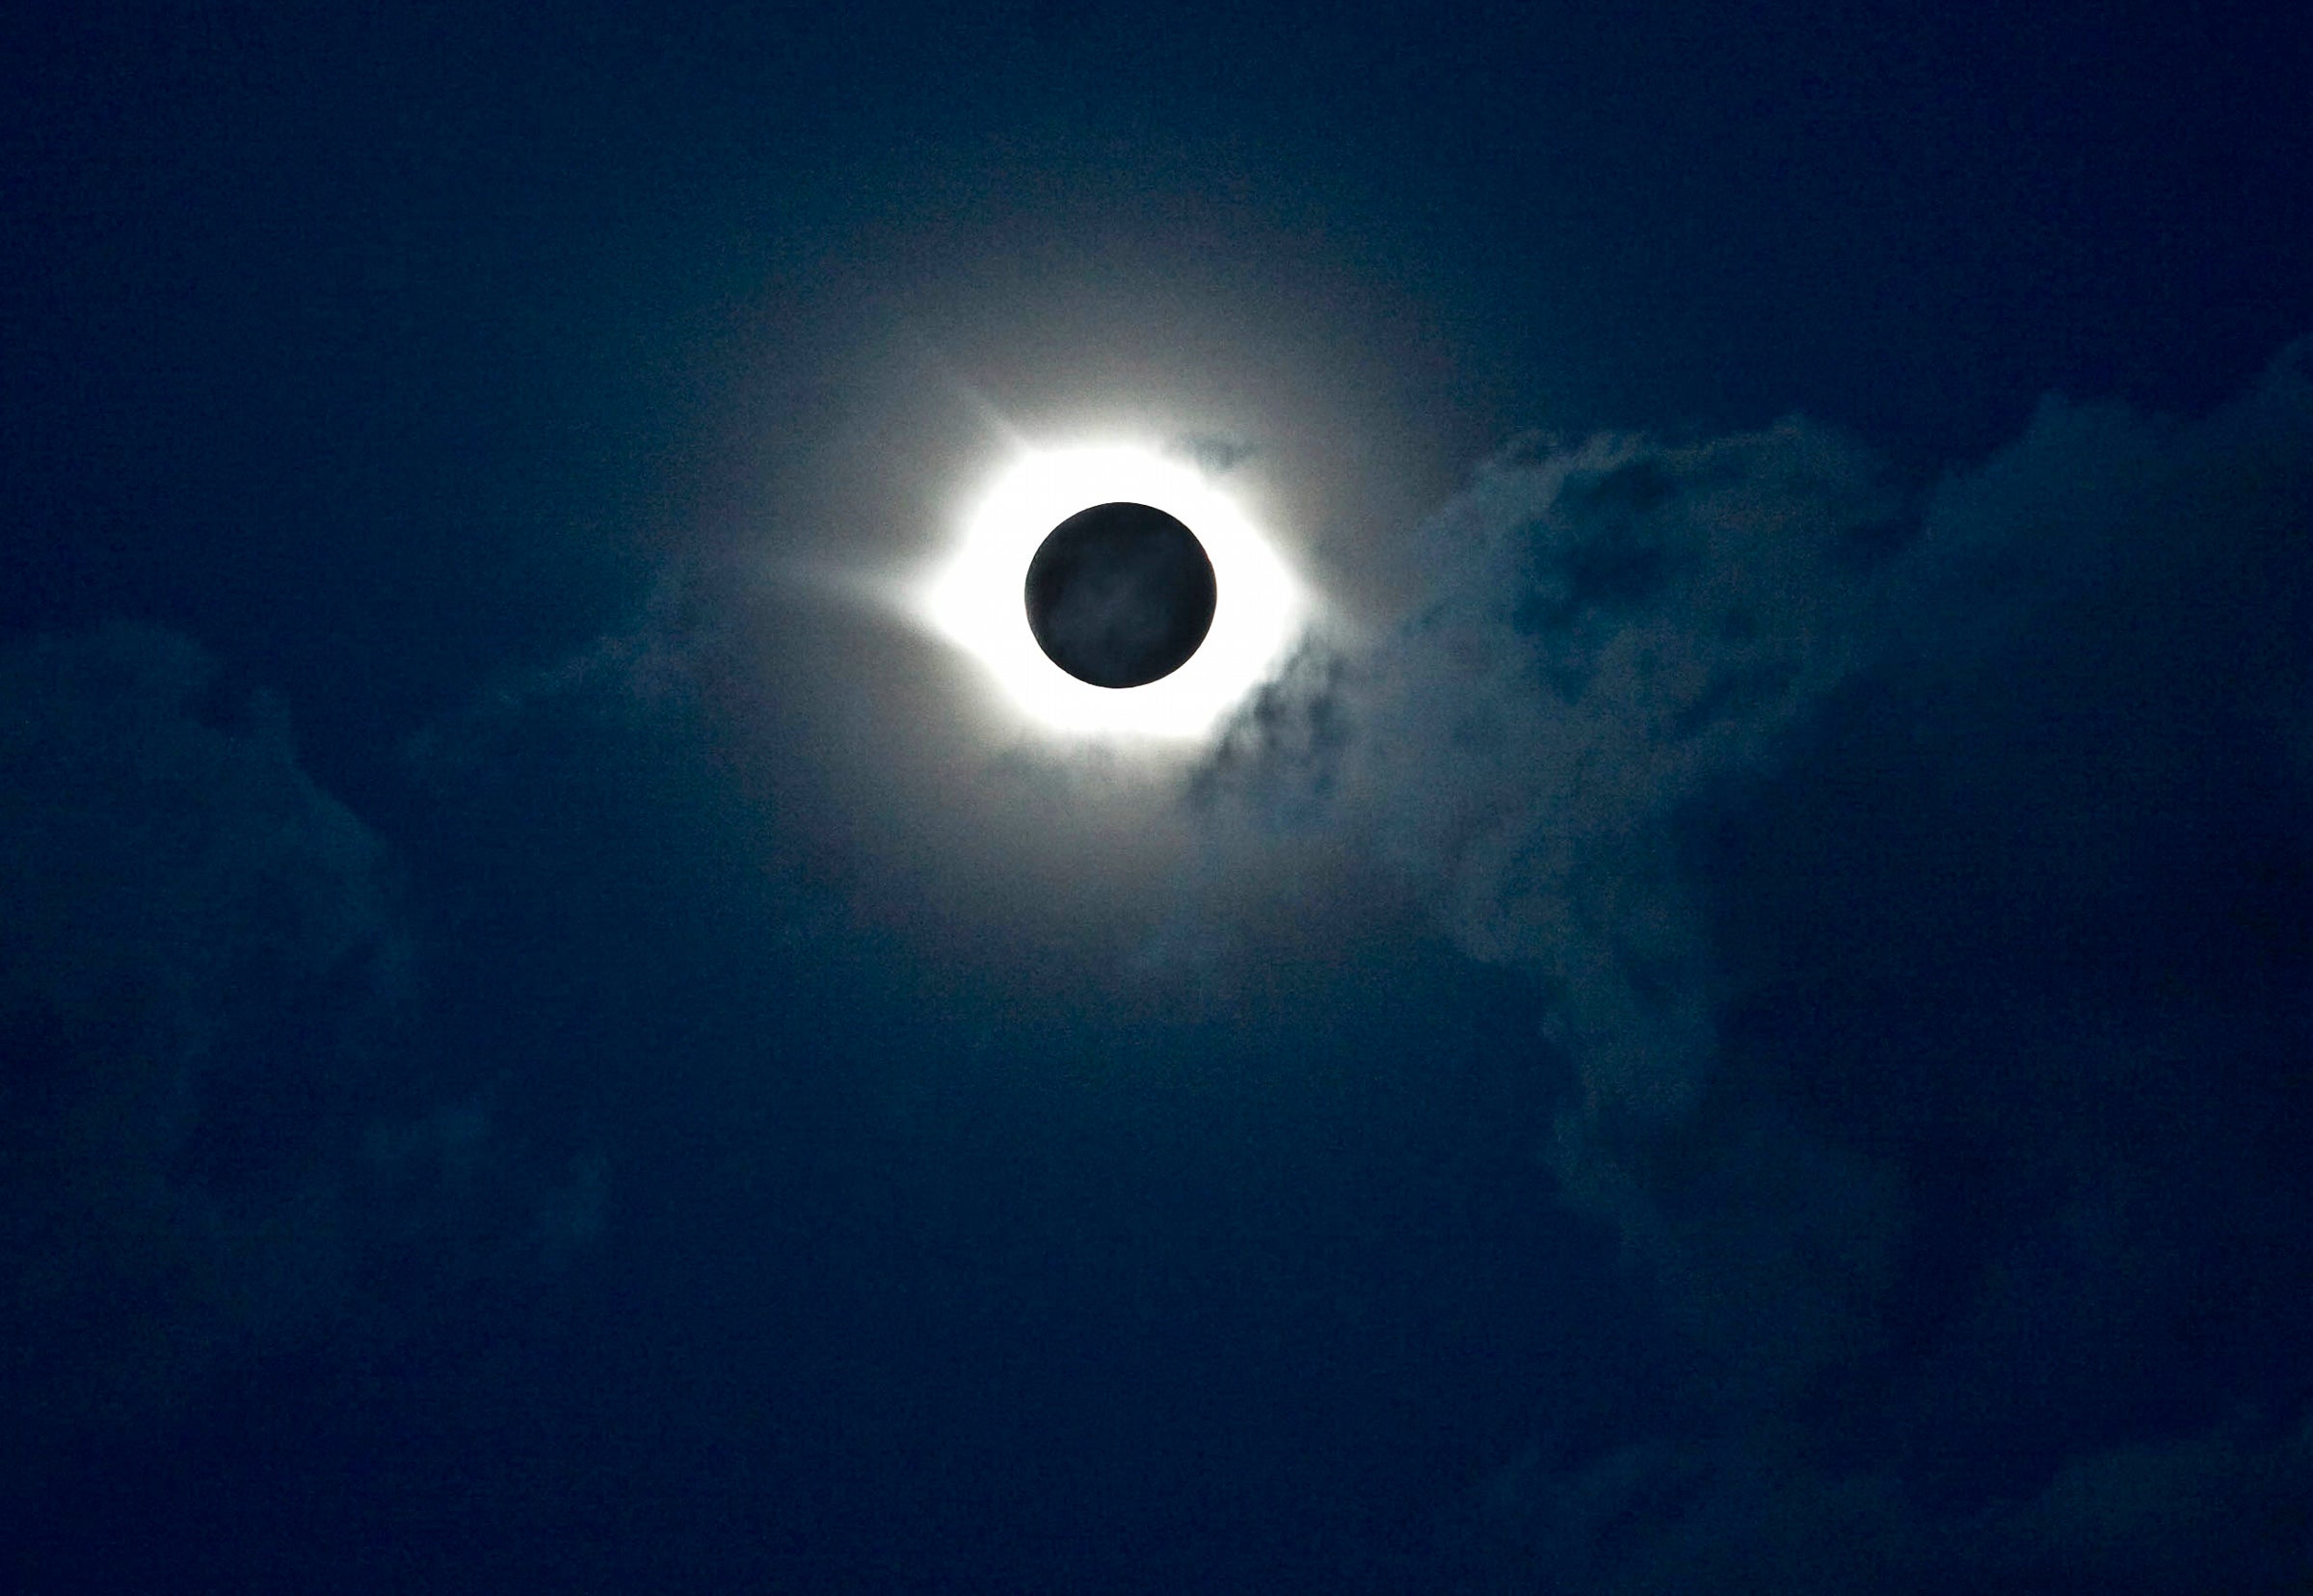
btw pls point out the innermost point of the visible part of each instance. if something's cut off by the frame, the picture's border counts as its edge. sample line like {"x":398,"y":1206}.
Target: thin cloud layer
{"x":2219,"y":1509}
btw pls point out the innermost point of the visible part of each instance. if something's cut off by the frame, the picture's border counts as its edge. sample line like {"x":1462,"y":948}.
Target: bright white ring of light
{"x":977,"y":601}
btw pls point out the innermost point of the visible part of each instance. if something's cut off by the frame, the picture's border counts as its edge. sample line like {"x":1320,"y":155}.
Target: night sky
{"x":1732,"y":1012}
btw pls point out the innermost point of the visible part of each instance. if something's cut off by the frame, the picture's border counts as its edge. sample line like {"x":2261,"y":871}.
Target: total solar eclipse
{"x":1213,"y":611}
{"x":1121,"y":594}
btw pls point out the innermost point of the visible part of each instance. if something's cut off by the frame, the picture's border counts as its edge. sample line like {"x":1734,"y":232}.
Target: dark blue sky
{"x":1737,"y":1021}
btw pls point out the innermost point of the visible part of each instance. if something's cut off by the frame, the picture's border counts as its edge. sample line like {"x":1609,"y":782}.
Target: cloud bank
{"x":1918,"y":886}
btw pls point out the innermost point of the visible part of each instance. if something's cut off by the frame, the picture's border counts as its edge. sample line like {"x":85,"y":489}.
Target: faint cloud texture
{"x":197,"y":941}
{"x":206,"y":1012}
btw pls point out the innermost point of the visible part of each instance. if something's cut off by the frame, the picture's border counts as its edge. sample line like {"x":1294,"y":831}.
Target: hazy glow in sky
{"x":975,"y":599}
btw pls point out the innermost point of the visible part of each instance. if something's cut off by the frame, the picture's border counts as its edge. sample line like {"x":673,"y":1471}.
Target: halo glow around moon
{"x":975,"y":599}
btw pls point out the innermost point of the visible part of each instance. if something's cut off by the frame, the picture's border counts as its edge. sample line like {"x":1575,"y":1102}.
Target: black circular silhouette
{"x":1121,"y":594}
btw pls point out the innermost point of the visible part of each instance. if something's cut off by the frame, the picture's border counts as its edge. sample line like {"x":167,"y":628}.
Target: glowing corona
{"x":975,"y":599}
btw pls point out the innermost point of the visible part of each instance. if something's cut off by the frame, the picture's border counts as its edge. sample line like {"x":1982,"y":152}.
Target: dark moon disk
{"x":1121,"y":594}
